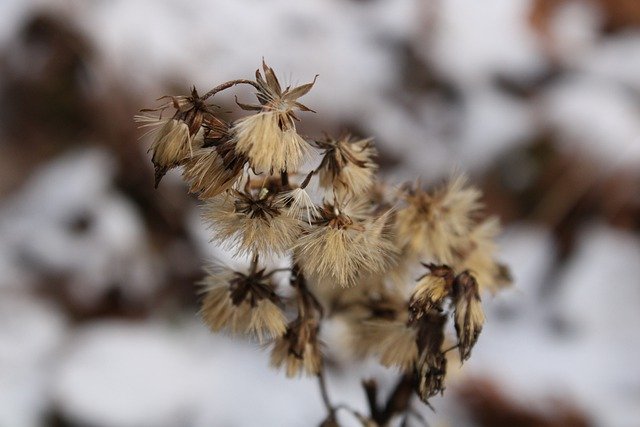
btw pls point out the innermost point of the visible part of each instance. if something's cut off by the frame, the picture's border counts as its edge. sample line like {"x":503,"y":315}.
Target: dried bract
{"x":468,"y":314}
{"x":432,"y":364}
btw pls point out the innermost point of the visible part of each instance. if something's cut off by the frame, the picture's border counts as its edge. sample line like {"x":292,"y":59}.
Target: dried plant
{"x":352,"y":243}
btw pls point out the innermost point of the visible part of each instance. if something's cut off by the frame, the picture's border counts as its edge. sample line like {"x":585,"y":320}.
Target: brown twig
{"x":227,"y":85}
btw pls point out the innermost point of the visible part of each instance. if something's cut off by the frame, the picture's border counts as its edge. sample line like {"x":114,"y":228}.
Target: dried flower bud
{"x":299,"y":349}
{"x":468,"y":314}
{"x":347,"y":165}
{"x":242,"y":303}
{"x":432,"y":364}
{"x":431,"y":290}
{"x":251,"y":221}
{"x":174,"y":139}
{"x":269,"y":138}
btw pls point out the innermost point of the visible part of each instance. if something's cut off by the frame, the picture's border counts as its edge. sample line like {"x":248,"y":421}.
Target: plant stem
{"x":325,"y":395}
{"x":227,"y":85}
{"x":254,"y":262}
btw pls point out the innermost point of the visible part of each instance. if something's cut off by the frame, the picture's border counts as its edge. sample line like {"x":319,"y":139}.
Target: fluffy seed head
{"x":347,"y":165}
{"x":298,"y":350}
{"x":268,"y":147}
{"x":249,"y":223}
{"x":341,"y":250}
{"x":436,"y":225}
{"x":242,"y":304}
{"x":480,"y":257}
{"x":209,"y":173}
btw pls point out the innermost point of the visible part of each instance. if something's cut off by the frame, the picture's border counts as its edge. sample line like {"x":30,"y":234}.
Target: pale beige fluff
{"x":267,"y":320}
{"x":309,"y":363}
{"x":269,"y":148}
{"x":264,"y":320}
{"x":341,"y":255}
{"x":480,"y":259}
{"x":237,"y":230}
{"x":430,"y":290}
{"x":172,"y":142}
{"x":207,"y":175}
{"x":392,"y":341}
{"x":299,"y":204}
{"x":351,"y":178}
{"x":332,"y":254}
{"x":437,"y":226}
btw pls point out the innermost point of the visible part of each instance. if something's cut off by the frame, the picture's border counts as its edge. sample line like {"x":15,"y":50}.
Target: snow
{"x":591,"y":360}
{"x":29,"y":337}
{"x":596,"y":115}
{"x":37,"y":224}
{"x":474,"y":41}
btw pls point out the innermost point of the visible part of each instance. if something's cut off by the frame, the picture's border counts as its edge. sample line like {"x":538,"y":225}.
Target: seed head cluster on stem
{"x":354,"y":244}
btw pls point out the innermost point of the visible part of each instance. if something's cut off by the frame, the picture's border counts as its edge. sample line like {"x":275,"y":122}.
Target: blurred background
{"x":538,"y":100}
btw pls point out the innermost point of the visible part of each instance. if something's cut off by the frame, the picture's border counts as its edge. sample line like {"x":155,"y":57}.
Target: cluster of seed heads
{"x":354,"y":244}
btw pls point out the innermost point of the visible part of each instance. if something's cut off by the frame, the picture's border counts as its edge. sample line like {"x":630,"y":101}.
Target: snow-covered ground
{"x":565,"y":330}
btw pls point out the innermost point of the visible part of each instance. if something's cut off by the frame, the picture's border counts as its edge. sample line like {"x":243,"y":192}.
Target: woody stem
{"x":227,"y":85}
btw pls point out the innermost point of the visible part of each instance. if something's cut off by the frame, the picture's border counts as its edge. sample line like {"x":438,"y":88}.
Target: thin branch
{"x":325,"y":395}
{"x":399,"y":400}
{"x":227,"y":85}
{"x":254,"y":262}
{"x":284,"y":178}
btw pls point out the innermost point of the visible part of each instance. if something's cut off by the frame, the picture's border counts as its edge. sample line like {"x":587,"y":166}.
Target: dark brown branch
{"x":398,"y":402}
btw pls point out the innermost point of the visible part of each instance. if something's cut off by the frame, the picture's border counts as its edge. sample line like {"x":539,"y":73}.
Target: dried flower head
{"x":252,"y":221}
{"x":436,"y":225}
{"x":242,"y":303}
{"x":341,"y":249}
{"x":347,"y":165}
{"x":174,"y":139}
{"x":468,"y":314}
{"x":269,"y":138}
{"x":298,"y":350}
{"x":213,"y":169}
